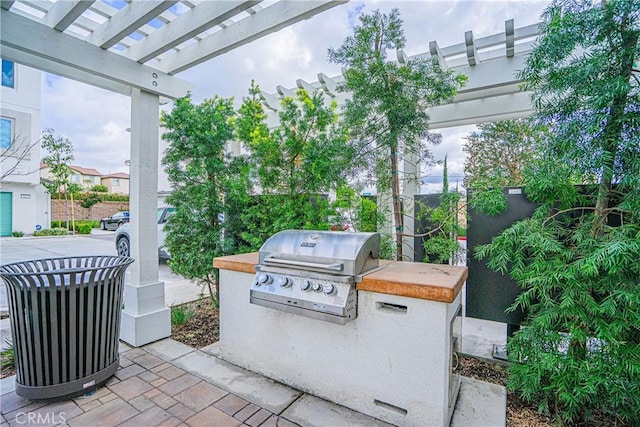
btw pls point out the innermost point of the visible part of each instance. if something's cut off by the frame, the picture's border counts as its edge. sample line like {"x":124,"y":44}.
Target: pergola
{"x":491,"y":93}
{"x":134,"y":48}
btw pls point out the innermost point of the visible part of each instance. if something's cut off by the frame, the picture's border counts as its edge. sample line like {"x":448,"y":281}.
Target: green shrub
{"x":7,"y":356}
{"x":90,"y":201}
{"x":105,"y":197}
{"x":100,"y":188}
{"x":56,"y":231}
{"x":83,"y":228}
{"x":67,"y":224}
{"x":181,"y":314}
{"x":17,"y":233}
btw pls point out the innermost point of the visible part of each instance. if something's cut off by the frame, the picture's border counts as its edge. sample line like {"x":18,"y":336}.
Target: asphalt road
{"x":16,"y":249}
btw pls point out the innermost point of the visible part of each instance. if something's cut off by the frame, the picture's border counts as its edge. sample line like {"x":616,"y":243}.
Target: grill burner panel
{"x":312,"y":273}
{"x":319,"y":298}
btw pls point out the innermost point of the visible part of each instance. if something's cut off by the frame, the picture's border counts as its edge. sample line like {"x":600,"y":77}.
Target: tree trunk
{"x":611,"y":136}
{"x":395,"y":195}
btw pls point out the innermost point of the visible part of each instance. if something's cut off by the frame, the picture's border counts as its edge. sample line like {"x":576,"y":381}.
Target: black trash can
{"x":65,"y":322}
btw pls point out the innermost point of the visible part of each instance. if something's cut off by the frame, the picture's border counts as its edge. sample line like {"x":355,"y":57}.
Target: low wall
{"x":95,"y":212}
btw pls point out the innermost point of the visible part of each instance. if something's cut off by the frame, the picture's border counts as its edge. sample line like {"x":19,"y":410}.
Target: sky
{"x":96,"y":121}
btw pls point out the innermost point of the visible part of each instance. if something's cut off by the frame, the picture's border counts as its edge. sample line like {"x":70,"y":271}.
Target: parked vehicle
{"x":123,"y":239}
{"x":114,"y":221}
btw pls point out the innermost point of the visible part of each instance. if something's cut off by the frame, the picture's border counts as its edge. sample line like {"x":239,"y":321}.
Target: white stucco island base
{"x":393,"y":362}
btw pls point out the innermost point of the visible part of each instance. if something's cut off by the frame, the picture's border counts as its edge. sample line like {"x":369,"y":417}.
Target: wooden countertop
{"x":433,"y":282}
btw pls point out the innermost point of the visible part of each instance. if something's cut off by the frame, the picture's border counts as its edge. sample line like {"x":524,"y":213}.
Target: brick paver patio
{"x":145,"y":391}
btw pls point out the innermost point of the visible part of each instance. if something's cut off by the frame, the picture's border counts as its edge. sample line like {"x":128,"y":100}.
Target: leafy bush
{"x":100,"y":188}
{"x":17,"y":233}
{"x":367,"y":215}
{"x":91,"y":200}
{"x":105,"y":197}
{"x":83,"y":228}
{"x":7,"y":356}
{"x":109,"y":197}
{"x":181,"y":314}
{"x":576,"y":258}
{"x":56,"y":231}
{"x":81,"y":222}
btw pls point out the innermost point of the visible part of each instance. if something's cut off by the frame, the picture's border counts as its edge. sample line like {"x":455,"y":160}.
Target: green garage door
{"x":5,"y":213}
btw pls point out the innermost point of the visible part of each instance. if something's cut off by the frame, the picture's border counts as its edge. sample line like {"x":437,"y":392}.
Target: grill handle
{"x":302,"y":264}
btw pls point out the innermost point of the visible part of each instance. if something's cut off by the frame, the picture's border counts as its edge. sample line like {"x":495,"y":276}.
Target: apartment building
{"x":24,"y":203}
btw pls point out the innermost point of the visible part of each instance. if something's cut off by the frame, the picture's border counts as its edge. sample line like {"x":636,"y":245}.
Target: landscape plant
{"x":197,"y":169}
{"x":441,"y":240}
{"x":181,"y":314}
{"x":576,"y":258}
{"x":497,"y":156}
{"x":387,"y":111}
{"x":59,"y":156}
{"x":99,"y":188}
{"x":55,"y":231}
{"x":295,"y":164}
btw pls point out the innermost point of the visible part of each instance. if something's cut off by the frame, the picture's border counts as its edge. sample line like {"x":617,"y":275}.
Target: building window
{"x":115,"y":182}
{"x":75,"y":178}
{"x":8,"y":78}
{"x":6,"y":133}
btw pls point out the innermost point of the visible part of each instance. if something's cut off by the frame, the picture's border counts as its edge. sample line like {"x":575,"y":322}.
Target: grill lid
{"x":333,"y":252}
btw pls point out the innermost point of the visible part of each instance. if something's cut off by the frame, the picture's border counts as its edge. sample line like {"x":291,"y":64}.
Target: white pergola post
{"x":145,"y":317}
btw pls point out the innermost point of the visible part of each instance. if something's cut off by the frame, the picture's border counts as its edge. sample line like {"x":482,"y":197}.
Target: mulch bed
{"x":202,"y":328}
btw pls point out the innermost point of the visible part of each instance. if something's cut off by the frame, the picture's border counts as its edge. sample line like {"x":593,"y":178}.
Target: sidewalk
{"x":168,"y":383}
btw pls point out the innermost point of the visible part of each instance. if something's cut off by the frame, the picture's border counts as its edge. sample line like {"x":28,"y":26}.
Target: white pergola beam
{"x":62,"y":13}
{"x":127,"y":20}
{"x":193,"y":22}
{"x":509,"y":32}
{"x":46,"y":46}
{"x":284,"y":92}
{"x":62,"y":70}
{"x":328,"y":84}
{"x":270,"y":101}
{"x":261,"y":23}
{"x":482,"y":110}
{"x":402,"y":57}
{"x":437,"y":57}
{"x":471,"y":49}
{"x":6,"y":4}
{"x":301,"y":84}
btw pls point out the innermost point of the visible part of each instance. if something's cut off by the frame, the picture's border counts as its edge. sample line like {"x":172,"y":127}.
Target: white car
{"x":123,"y":239}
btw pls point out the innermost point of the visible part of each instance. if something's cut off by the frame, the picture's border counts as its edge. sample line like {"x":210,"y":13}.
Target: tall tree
{"x":577,"y":257}
{"x":499,"y":152}
{"x":59,"y":156}
{"x":198,"y":171}
{"x":387,"y":113}
{"x":296,"y":164}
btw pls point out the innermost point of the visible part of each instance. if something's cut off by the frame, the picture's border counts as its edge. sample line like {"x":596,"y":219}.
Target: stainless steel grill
{"x":313,"y":273}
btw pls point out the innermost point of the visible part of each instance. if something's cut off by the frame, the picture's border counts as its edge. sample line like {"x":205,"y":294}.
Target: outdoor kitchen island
{"x":394,"y":361}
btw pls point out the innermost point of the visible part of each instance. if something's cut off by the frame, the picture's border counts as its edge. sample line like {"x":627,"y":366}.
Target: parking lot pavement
{"x":15,"y":249}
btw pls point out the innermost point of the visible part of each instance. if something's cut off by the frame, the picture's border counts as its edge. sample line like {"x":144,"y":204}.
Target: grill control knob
{"x":317,"y":287}
{"x":305,"y":285}
{"x":264,"y":279}
{"x":329,"y":289}
{"x":284,"y":282}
